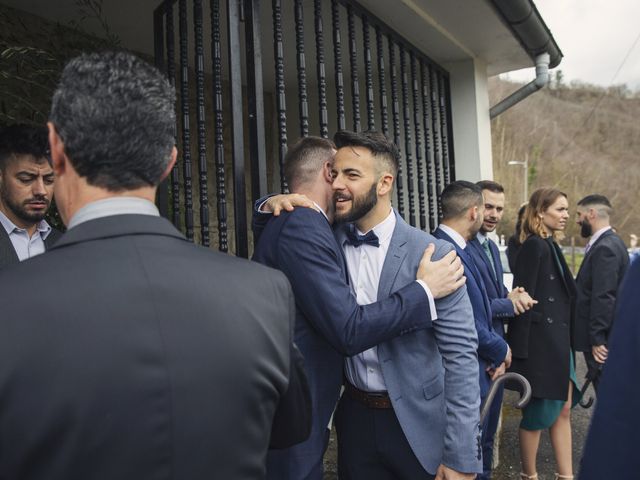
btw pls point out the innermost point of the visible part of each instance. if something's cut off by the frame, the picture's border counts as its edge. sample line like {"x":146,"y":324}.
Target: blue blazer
{"x":431,"y":373}
{"x":329,"y":323}
{"x":492,"y":348}
{"x":501,"y":306}
{"x":611,"y":449}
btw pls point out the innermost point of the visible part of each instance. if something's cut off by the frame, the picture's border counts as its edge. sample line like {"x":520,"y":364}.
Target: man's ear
{"x":172,"y":161}
{"x":327,"y":172}
{"x":56,"y":146}
{"x":473,"y":213}
{"x":385,"y":184}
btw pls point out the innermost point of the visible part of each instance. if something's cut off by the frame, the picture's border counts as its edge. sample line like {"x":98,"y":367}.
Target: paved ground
{"x":509,"y":466}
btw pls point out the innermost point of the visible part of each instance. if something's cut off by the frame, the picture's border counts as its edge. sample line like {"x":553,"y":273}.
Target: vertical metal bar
{"x":424,"y":72}
{"x":162,"y":196}
{"x":202,"y":133}
{"x":436,"y":140}
{"x":186,"y":129}
{"x":395,"y":112}
{"x":281,"y":104}
{"x":452,"y":159}
{"x":255,"y":99}
{"x":407,"y":135}
{"x":337,"y":56}
{"x":302,"y":70}
{"x":235,"y":81}
{"x":416,"y":122}
{"x":444,"y":130}
{"x":218,"y":108}
{"x":353,"y":62}
{"x":322,"y":83}
{"x":371,"y":123}
{"x":384,"y":114}
{"x":171,"y":73}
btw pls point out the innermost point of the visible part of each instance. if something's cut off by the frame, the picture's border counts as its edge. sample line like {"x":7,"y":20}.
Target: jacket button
{"x":551,"y":299}
{"x":552,"y":277}
{"x":549,"y":320}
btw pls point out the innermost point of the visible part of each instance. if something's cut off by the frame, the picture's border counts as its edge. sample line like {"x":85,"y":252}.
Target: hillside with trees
{"x":579,"y":138}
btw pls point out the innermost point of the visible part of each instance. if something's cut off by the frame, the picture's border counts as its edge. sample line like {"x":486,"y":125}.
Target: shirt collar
{"x":455,"y":236}
{"x":598,"y":234}
{"x":113,"y":206}
{"x":321,"y":210}
{"x":384,"y":229}
{"x":481,"y":238}
{"x":43,"y":227}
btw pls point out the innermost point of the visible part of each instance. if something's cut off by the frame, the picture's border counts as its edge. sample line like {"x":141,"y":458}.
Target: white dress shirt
{"x":595,"y":237}
{"x":455,"y":236}
{"x":26,"y":246}
{"x":113,"y":206}
{"x":365,"y":266}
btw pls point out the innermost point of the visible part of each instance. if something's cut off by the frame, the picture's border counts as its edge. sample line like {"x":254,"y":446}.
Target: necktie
{"x":356,"y":240}
{"x":487,"y":251}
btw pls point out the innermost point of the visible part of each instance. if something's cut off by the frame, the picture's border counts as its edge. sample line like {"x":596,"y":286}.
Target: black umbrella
{"x":591,"y":376}
{"x":525,"y":395}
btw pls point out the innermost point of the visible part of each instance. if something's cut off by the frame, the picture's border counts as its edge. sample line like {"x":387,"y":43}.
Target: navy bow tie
{"x":356,"y":240}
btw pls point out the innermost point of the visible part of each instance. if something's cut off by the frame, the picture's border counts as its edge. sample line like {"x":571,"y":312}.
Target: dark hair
{"x":22,"y":139}
{"x":380,"y":146}
{"x":305,"y":158}
{"x":595,"y":199}
{"x":115,"y":114}
{"x":490,"y":185}
{"x":458,"y":197}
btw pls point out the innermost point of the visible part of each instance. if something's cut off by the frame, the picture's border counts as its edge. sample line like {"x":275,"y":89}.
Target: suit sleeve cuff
{"x":432,"y":302}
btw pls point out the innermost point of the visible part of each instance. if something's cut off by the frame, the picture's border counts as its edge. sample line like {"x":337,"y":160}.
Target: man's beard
{"x":586,"y":230}
{"x":360,"y":206}
{"x":20,"y":211}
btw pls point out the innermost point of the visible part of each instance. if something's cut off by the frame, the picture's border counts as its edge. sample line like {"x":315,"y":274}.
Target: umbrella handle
{"x":493,"y":390}
{"x":589,"y":402}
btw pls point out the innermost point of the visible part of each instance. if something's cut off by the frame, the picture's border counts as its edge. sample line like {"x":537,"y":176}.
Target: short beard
{"x":19,"y":211}
{"x":361,"y":206}
{"x":586,"y":230}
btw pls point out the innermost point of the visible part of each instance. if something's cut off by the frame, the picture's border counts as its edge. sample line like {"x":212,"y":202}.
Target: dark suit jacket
{"x":329,"y":323}
{"x":8,"y":255}
{"x":492,"y":349}
{"x":501,"y":306}
{"x":597,"y":284}
{"x":540,"y":339}
{"x":128,"y":353}
{"x":611,"y":448}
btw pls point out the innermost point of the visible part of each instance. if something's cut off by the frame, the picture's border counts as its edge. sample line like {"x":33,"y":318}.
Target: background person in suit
{"x":611,"y":449}
{"x":541,"y":337}
{"x":462,"y":217}
{"x":141,"y":356}
{"x":605,"y":262}
{"x":513,"y":244}
{"x":411,"y":405}
{"x":26,"y":190}
{"x":504,"y":304}
{"x":329,"y":322}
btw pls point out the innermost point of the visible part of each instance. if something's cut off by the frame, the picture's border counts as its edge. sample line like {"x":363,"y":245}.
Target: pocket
{"x":433,"y":387}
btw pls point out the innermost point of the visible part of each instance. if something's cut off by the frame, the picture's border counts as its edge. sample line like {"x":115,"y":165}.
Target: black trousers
{"x":372,"y":446}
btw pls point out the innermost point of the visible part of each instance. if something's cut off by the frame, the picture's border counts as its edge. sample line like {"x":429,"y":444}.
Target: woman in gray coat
{"x":540,"y":339}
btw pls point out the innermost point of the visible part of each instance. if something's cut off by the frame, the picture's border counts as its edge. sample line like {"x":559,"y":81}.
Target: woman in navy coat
{"x":540,"y":339}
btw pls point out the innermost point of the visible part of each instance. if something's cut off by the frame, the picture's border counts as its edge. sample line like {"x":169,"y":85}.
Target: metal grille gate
{"x":253,"y":112}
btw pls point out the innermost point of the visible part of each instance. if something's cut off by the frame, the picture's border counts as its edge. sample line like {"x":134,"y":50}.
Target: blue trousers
{"x":489,"y":427}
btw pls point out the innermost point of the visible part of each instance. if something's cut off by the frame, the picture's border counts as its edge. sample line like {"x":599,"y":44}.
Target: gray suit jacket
{"x":8,"y":255}
{"x":432,"y":375}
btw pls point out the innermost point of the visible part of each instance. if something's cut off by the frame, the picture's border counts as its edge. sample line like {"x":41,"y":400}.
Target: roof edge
{"x":528,"y":27}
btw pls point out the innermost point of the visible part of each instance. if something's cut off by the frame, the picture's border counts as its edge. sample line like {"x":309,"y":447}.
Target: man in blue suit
{"x":611,"y":449}
{"x":329,"y":322}
{"x":462,"y":216}
{"x":410,"y":407}
{"x":504,"y":304}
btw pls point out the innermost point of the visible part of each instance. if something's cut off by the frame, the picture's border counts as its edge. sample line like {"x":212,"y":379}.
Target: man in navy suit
{"x":504,"y":304}
{"x":329,"y":322}
{"x":462,"y":217}
{"x":611,"y":449}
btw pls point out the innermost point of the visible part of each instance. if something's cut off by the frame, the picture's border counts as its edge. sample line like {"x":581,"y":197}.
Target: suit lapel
{"x":395,"y":257}
{"x":8,"y":255}
{"x":475,"y":244}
